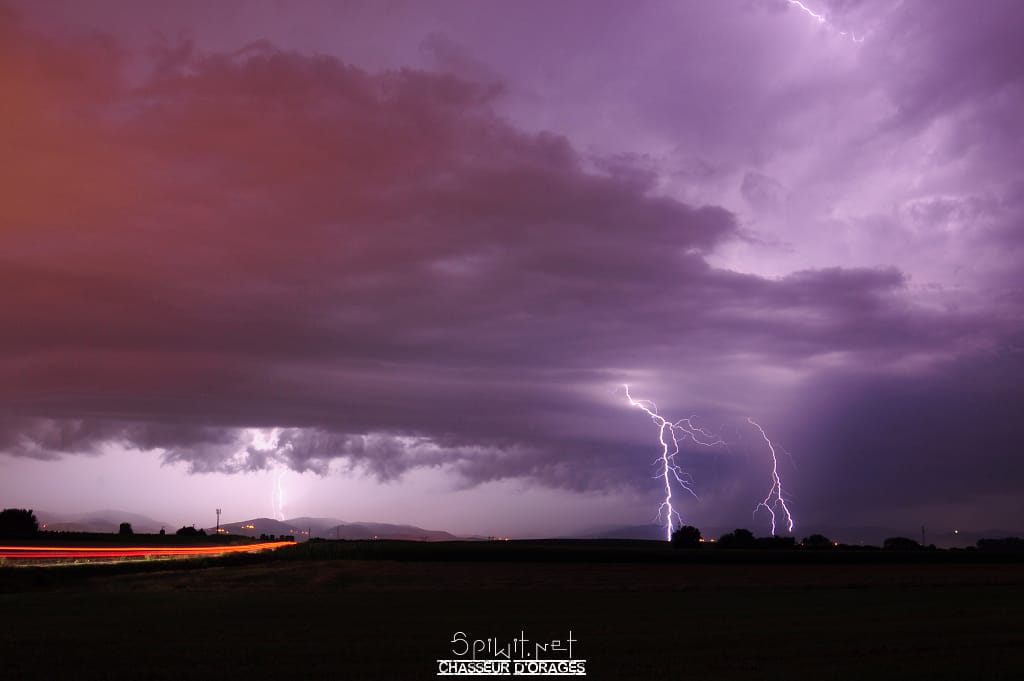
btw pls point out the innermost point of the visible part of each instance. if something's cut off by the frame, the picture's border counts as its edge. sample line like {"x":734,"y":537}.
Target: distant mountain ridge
{"x":106,"y":520}
{"x":303,"y":528}
{"x":109,"y":520}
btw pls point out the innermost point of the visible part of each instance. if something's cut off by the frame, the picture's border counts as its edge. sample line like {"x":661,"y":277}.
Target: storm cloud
{"x":256,"y":255}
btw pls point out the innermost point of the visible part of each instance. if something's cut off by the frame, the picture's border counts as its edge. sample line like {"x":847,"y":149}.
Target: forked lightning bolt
{"x":774,"y":501}
{"x":675,"y":431}
{"x":807,"y":10}
{"x":670,"y":434}
{"x":822,"y":19}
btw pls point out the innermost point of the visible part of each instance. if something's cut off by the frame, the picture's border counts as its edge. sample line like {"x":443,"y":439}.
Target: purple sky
{"x":401,"y":257}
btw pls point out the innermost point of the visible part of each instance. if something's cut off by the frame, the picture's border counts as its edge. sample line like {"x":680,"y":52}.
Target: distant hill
{"x":257,"y":526}
{"x":319,"y":526}
{"x":99,"y":521}
{"x":364,"y":530}
{"x":109,"y":520}
{"x":624,"y":532}
{"x":332,"y":528}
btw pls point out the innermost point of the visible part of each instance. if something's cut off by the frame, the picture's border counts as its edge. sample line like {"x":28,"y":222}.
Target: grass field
{"x":364,"y":610}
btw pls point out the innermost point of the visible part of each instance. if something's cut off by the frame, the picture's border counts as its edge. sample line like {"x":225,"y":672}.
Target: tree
{"x":900,"y":544}
{"x":18,"y":523}
{"x":187,"y":531}
{"x":817,"y":541}
{"x":737,"y":539}
{"x":775,"y":543}
{"x":1004,"y":545}
{"x":125,"y":529}
{"x":686,"y":537}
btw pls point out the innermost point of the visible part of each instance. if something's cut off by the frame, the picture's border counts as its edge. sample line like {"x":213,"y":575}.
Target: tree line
{"x":690,"y":537}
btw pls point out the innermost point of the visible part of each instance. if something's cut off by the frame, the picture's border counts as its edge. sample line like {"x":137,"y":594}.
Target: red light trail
{"x":130,"y":551}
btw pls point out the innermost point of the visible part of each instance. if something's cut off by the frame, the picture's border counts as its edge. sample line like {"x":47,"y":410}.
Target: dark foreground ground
{"x":356,"y":612}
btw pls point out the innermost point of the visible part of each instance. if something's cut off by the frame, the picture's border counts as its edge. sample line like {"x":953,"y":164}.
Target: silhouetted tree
{"x":188,"y":531}
{"x":1004,"y":545}
{"x":18,"y":523}
{"x":686,"y":537}
{"x":162,"y":532}
{"x":900,"y":544}
{"x":737,"y":539}
{"x":775,"y":542}
{"x":125,"y":529}
{"x":817,"y":541}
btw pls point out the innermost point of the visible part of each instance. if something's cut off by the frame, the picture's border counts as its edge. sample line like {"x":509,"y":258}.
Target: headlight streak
{"x":131,"y":551}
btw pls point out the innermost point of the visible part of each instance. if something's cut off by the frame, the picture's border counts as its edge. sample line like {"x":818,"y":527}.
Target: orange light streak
{"x":130,"y":551}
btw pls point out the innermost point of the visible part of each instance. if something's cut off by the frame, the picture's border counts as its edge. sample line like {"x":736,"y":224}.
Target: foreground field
{"x":354,"y":618}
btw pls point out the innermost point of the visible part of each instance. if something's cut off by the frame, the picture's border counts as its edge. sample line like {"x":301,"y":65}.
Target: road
{"x":36,"y":552}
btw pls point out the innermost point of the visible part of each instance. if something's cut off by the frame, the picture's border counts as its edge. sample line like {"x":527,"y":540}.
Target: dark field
{"x":380,"y":610}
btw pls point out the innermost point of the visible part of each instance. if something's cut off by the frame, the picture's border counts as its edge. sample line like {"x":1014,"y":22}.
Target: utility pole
{"x":218,"y":521}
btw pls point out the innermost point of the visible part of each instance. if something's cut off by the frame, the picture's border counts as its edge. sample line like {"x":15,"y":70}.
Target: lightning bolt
{"x":774,"y":501}
{"x":675,"y":431}
{"x":670,"y":434}
{"x":277,"y":496}
{"x":822,"y":19}
{"x":265,"y":444}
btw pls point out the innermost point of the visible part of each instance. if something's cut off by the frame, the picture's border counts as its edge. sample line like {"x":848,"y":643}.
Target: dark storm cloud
{"x":762,"y":191}
{"x":940,"y":56}
{"x":883,"y":446}
{"x":380,"y":266}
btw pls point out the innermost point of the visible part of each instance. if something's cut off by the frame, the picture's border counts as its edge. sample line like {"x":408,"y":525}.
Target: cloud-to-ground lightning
{"x":266,"y":443}
{"x":822,"y":19}
{"x":277,"y":496}
{"x":670,"y":434}
{"x":774,"y":501}
{"x":676,"y":431}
